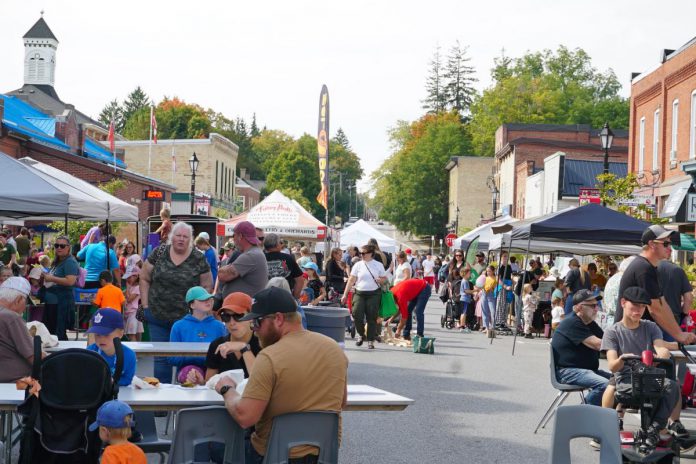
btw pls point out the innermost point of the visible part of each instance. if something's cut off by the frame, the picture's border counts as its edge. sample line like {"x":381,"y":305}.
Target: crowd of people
{"x":245,"y":302}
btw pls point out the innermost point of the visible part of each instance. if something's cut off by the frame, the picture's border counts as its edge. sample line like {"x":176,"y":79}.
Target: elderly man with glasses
{"x":576,"y":343}
{"x":643,"y":273}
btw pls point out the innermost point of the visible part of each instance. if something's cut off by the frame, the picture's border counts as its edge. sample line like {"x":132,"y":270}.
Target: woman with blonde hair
{"x":403,"y":269}
{"x":575,"y":280}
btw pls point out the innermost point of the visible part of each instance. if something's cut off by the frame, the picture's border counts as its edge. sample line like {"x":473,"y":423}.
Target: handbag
{"x":387,"y":305}
{"x":423,"y":345}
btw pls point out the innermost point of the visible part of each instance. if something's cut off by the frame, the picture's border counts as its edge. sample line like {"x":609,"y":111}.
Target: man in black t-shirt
{"x":642,"y":272}
{"x":576,"y":343}
{"x":676,"y":289}
{"x":530,"y":276}
{"x":282,"y":264}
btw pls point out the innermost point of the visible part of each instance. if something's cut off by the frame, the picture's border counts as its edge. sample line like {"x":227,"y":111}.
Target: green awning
{"x":688,"y":243}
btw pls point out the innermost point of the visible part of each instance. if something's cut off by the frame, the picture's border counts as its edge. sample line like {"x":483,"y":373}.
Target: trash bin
{"x":329,"y":321}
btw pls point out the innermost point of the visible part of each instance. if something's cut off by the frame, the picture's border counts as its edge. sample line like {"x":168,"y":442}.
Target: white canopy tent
{"x":483,"y":232}
{"x":359,"y":233}
{"x":278,"y":214}
{"x":110,"y":207}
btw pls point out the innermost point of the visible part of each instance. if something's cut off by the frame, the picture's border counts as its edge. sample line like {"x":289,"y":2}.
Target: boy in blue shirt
{"x":107,"y":324}
{"x":199,"y":326}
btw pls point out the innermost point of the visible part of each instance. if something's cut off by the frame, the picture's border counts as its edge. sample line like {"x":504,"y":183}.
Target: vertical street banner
{"x":323,"y":147}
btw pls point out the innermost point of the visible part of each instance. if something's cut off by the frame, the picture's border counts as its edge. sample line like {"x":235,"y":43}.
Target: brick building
{"x":246,"y":194}
{"x":520,"y":150}
{"x":35,"y":122}
{"x":470,"y":198}
{"x":663,"y":128}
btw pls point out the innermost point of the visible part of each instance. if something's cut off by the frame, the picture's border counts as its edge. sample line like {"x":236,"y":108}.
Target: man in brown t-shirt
{"x":295,"y":371}
{"x":16,"y":347}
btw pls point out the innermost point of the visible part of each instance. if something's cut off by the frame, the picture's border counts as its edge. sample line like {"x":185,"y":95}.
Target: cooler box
{"x":327,"y":321}
{"x":84,"y":296}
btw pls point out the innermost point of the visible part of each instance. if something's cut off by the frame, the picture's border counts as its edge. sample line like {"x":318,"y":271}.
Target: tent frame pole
{"x":524,"y":279}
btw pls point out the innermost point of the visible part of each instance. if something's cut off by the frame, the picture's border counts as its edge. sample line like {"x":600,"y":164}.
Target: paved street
{"x":473,"y":400}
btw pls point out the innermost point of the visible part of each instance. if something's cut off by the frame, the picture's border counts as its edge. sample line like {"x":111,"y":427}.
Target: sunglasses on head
{"x":60,"y":245}
{"x":227,"y":317}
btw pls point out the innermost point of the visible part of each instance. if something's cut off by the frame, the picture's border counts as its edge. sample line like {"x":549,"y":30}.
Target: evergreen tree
{"x":135,"y":101}
{"x":342,"y":139}
{"x":254,"y":130}
{"x":459,"y":80}
{"x":436,"y":96}
{"x":113,"y":112}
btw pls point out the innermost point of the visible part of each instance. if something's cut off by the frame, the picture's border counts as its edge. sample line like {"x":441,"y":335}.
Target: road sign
{"x":449,"y":239}
{"x":691,"y":207}
{"x":589,"y":195}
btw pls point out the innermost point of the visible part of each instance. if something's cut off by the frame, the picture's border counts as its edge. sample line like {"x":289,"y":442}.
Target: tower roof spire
{"x":40,"y":30}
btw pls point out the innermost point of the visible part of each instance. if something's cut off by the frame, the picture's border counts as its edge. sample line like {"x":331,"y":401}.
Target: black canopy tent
{"x":591,"y":223}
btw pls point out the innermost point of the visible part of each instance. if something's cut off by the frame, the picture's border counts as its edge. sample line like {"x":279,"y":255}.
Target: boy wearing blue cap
{"x":199,"y":326}
{"x":107,"y":324}
{"x":114,"y":420}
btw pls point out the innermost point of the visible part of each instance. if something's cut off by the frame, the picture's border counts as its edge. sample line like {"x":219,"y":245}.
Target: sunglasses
{"x":260,"y":239}
{"x":227,"y":317}
{"x":458,"y":256}
{"x":60,"y":245}
{"x":256,"y":322}
{"x":664,"y":244}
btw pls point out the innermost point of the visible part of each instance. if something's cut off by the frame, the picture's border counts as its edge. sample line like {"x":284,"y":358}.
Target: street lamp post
{"x":606,"y":136}
{"x":193,"y":164}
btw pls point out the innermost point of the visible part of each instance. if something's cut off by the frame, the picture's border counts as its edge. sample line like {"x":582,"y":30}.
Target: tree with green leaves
{"x":268,"y":145}
{"x":134,"y":102}
{"x":436,"y":94}
{"x":113,"y":112}
{"x":459,"y":80}
{"x":548,"y":87}
{"x":412,"y":184}
{"x":254,"y":129}
{"x":342,"y":139}
{"x":615,"y":192}
{"x":292,"y":170}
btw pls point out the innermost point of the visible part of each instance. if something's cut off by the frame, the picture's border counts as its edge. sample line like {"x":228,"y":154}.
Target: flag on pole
{"x":112,"y":142}
{"x":323,"y":148}
{"x":153,"y":124}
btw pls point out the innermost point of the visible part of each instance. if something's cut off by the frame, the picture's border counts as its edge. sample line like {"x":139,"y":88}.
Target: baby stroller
{"x":453,"y":306}
{"x":75,"y":383}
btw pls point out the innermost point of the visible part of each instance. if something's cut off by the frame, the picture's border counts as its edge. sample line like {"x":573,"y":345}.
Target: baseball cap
{"x":237,"y":302}
{"x":269,"y":301}
{"x":131,"y":271}
{"x":480,"y":254}
{"x":656,"y":232}
{"x":105,"y":321}
{"x":204,"y":236}
{"x":247,"y":230}
{"x":637,"y":295}
{"x":18,"y":283}
{"x":584,"y":295}
{"x":311,"y":265}
{"x":113,"y":414}
{"x":408,"y":251}
{"x":228,"y":246}
{"x":197,"y":293}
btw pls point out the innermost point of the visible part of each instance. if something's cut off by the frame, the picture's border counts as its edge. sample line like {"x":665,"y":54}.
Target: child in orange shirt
{"x":114,"y":420}
{"x":109,"y":295}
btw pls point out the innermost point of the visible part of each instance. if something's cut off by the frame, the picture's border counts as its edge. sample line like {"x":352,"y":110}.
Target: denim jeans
{"x":488,"y":310}
{"x":568,"y":308}
{"x":159,"y":332}
{"x":596,"y":381}
{"x":417,"y":304}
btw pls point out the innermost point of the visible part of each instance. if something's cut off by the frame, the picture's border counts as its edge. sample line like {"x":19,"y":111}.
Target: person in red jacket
{"x":410,"y":295}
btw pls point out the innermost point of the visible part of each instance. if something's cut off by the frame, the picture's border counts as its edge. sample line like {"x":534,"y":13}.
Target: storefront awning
{"x":675,"y":199}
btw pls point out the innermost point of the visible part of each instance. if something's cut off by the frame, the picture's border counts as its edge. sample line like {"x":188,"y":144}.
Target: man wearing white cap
{"x":16,"y":346}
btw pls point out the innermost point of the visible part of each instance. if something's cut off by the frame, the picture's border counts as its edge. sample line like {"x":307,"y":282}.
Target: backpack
{"x":442,"y":273}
